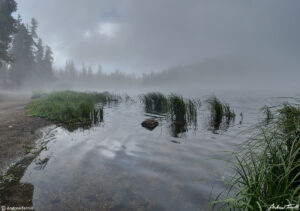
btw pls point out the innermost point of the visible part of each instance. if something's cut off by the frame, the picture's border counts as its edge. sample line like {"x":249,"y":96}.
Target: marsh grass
{"x":70,"y":107}
{"x":228,"y":114}
{"x":268,"y":114}
{"x":192,"y":106}
{"x":268,"y":167}
{"x":179,"y":109}
{"x":155,"y":102}
{"x":219,"y":113}
{"x":216,"y":110}
{"x":182,"y":112}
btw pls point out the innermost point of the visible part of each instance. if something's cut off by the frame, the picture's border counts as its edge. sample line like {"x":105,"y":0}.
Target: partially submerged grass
{"x":155,"y":102}
{"x":181,"y":111}
{"x":228,"y":113}
{"x":268,"y":114}
{"x":219,"y":112}
{"x":178,"y":108}
{"x":192,"y":111}
{"x":70,"y":107}
{"x":268,"y":168}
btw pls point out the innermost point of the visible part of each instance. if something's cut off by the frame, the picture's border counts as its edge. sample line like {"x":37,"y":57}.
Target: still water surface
{"x":119,"y":165}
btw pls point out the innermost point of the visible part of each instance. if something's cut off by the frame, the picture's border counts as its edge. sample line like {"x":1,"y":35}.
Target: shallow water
{"x":119,"y":165}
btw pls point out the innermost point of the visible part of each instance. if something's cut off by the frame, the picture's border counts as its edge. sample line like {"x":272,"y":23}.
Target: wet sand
{"x":18,"y":132}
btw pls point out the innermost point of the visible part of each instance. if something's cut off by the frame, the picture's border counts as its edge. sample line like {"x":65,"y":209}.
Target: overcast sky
{"x":141,"y":36}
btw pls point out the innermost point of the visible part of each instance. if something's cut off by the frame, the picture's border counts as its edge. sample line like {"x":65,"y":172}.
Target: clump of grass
{"x":155,"y":102}
{"x":220,"y":112}
{"x":69,"y":107}
{"x":228,"y":113}
{"x":192,"y":111}
{"x":98,"y":115}
{"x":178,"y":108}
{"x":268,"y":168}
{"x":128,"y":99}
{"x":289,"y":119}
{"x":181,"y":111}
{"x":8,"y":178}
{"x":268,"y":114}
{"x":216,"y":109}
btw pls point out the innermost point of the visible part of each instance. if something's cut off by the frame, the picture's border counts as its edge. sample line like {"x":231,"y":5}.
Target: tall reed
{"x":219,"y":113}
{"x":178,"y":108}
{"x":155,"y":102}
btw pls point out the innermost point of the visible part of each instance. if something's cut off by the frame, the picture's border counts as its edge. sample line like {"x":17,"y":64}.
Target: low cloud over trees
{"x":23,"y":56}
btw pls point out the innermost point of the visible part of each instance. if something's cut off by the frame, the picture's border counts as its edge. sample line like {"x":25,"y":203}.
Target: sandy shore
{"x":17,"y":131}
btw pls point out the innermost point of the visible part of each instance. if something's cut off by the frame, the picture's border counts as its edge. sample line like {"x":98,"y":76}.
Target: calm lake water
{"x":119,"y":165}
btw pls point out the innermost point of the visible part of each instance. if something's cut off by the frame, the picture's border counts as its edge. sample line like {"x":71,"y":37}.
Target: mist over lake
{"x":149,"y":105}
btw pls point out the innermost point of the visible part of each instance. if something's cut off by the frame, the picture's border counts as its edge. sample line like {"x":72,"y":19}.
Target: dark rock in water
{"x":150,"y":123}
{"x":175,"y":142}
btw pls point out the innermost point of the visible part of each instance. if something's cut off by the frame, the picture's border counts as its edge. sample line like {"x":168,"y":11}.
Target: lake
{"x":119,"y":165}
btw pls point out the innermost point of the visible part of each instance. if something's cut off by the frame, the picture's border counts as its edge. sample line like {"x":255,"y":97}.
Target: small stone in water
{"x":150,"y":123}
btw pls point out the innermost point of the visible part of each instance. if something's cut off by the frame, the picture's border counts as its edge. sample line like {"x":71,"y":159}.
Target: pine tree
{"x":47,"y":62}
{"x":70,"y":70}
{"x":39,"y":55}
{"x":33,"y":28}
{"x":7,"y":28}
{"x":4,"y":75}
{"x":22,"y":50}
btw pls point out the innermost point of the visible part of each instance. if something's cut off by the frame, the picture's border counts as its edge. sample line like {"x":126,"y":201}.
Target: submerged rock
{"x":150,"y":123}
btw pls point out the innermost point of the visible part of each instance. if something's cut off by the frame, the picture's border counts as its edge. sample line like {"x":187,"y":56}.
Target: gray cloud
{"x":143,"y":36}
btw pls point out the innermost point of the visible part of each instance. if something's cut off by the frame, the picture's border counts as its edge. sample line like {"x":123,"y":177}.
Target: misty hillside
{"x":229,"y":73}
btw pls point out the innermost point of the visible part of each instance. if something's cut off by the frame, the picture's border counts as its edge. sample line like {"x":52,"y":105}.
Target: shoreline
{"x":13,"y":192}
{"x":18,"y":133}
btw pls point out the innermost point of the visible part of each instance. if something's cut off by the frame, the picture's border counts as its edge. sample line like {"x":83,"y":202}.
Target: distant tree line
{"x":72,"y":76}
{"x":23,"y":57}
